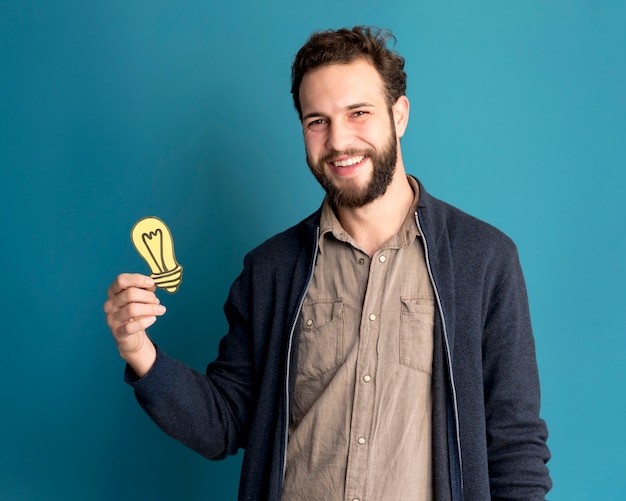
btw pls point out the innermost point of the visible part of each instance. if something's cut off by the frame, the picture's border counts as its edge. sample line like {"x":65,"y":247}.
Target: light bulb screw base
{"x":170,"y":280}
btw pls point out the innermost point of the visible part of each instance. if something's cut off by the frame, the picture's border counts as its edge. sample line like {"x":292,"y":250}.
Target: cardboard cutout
{"x":153,"y":240}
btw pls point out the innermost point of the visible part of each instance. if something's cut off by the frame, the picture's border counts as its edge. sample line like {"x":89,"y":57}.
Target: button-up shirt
{"x":360,"y":426}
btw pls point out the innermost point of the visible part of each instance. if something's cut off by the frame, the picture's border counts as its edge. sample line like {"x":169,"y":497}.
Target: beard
{"x":353,"y":196}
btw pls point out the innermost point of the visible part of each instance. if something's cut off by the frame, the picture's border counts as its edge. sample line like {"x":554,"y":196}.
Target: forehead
{"x":338,"y":86}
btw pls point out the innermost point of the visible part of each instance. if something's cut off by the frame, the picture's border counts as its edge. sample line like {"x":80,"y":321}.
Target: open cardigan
{"x":488,"y":439}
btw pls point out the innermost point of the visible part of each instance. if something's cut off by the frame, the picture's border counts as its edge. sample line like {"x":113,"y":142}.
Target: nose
{"x":340,"y":136}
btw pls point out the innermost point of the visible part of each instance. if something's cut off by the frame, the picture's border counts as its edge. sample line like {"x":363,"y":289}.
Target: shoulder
{"x":463,"y":243}
{"x":442,"y":220}
{"x":288,"y":244}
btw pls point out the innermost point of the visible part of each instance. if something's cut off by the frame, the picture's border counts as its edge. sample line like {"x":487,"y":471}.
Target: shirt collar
{"x":331,"y":227}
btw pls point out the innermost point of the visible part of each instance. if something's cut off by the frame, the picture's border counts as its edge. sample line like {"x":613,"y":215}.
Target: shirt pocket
{"x":321,"y":337}
{"x":416,"y":333}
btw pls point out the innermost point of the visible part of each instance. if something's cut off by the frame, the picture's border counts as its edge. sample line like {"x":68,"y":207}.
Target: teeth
{"x":348,"y":162}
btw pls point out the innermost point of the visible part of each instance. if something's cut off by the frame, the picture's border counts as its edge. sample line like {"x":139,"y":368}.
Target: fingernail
{"x":149,"y":282}
{"x":161,"y":309}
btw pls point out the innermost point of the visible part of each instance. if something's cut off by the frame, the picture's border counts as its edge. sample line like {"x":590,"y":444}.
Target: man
{"x":381,"y":349}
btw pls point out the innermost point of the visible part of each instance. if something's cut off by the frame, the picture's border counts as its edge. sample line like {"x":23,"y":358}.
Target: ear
{"x":400,"y":112}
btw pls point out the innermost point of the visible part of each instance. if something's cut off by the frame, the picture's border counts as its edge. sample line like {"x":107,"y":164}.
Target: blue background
{"x":111,"y":111}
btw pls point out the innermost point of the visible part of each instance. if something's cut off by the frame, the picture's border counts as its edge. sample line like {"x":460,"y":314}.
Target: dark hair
{"x":344,"y":46}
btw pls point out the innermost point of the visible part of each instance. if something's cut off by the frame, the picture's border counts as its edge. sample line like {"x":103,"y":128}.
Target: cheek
{"x":313,"y":144}
{"x":371,"y":131}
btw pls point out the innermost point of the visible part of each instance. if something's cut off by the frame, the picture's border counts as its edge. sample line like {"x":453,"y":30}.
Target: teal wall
{"x":111,"y":111}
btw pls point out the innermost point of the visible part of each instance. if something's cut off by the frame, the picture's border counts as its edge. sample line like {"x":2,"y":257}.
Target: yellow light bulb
{"x":153,"y":240}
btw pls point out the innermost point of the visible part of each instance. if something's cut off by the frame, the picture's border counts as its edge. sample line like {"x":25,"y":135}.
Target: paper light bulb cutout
{"x":153,"y":240}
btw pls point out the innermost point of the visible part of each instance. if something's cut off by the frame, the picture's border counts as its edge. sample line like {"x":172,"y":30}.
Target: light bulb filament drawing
{"x":155,"y":254}
{"x":154,"y":243}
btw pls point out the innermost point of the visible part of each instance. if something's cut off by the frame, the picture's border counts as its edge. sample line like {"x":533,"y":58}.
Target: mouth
{"x":347,"y":162}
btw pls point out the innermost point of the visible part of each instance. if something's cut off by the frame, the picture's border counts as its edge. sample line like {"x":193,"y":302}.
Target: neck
{"x":372,"y":225}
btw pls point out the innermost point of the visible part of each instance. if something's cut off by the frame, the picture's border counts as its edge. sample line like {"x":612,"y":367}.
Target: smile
{"x":348,"y":161}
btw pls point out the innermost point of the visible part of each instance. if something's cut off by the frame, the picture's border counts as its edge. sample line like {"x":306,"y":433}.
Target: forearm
{"x":200,"y":411}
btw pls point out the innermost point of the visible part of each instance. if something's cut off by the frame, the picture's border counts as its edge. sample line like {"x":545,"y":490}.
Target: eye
{"x":317,"y":124}
{"x":360,"y":115}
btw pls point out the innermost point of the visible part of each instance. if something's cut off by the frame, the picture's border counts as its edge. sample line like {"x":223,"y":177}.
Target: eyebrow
{"x":347,"y":108}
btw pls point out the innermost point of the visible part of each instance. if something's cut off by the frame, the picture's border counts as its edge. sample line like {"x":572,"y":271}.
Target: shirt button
{"x":361,"y":441}
{"x":367,"y":378}
{"x":382,"y":259}
{"x":356,"y":499}
{"x":361,"y":260}
{"x":309,"y":322}
{"x":372,"y":316}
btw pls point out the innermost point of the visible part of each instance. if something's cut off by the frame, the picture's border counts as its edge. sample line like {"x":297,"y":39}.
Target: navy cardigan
{"x":488,"y":439}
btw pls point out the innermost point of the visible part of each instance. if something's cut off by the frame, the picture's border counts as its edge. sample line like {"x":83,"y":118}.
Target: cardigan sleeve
{"x":206,"y":412}
{"x":516,"y":435}
{"x":189,"y":406}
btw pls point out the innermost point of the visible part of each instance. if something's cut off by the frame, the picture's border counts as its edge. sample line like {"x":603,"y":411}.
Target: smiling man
{"x":351,"y":132}
{"x":381,"y":349}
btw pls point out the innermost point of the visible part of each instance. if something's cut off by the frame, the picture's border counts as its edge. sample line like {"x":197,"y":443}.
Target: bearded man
{"x":381,"y":349}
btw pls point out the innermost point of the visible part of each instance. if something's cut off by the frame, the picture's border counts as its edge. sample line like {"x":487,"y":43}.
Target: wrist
{"x":142,"y":359}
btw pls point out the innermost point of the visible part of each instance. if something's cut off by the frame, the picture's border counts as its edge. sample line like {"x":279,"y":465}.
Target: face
{"x":350,"y":132}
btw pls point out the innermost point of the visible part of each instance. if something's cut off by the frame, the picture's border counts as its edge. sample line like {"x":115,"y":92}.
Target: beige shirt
{"x":361,"y":418}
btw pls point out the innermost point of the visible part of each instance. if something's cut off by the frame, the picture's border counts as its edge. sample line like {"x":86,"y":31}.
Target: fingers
{"x":130,"y":295}
{"x":122,"y":311}
{"x":132,"y":305}
{"x":127,"y":280}
{"x":124,"y":330}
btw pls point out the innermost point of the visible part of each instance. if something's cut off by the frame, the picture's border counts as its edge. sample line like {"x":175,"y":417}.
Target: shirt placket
{"x":365,"y":382}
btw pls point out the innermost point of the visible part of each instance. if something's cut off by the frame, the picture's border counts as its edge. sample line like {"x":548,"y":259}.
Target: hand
{"x":132,"y":307}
